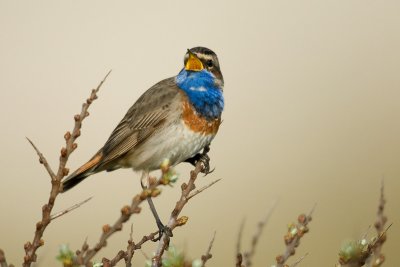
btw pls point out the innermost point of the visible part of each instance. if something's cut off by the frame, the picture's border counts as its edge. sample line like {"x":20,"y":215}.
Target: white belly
{"x":175,"y":143}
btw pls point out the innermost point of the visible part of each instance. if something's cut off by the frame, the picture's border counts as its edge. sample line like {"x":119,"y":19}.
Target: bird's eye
{"x":210,"y":63}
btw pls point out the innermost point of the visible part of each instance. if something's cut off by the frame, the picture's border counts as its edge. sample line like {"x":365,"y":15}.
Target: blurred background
{"x":312,"y":93}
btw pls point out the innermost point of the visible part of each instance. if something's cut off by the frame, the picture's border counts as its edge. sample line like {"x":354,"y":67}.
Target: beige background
{"x":312,"y":116}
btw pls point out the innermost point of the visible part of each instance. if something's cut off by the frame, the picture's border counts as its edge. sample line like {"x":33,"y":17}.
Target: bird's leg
{"x":161,"y":227}
{"x":204,"y":158}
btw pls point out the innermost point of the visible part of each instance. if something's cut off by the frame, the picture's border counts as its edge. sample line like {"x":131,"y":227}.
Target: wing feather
{"x":150,"y":112}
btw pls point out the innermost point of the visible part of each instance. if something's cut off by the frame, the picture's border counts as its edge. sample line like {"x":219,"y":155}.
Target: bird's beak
{"x":193,"y":63}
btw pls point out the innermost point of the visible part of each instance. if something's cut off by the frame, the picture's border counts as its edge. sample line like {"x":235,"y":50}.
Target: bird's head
{"x":203,"y":59}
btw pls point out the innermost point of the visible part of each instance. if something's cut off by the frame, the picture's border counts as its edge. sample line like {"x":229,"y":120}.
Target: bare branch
{"x":3,"y":261}
{"x":128,"y":254}
{"x":299,"y":260}
{"x":366,"y":232}
{"x":174,"y":221}
{"x":85,"y":256}
{"x":239,"y":239}
{"x":366,"y":251}
{"x":43,"y":160}
{"x":248,"y":256}
{"x":187,"y":189}
{"x":107,"y":230}
{"x":239,"y":260}
{"x":208,"y":255}
{"x":31,"y":247}
{"x":130,"y":249}
{"x":377,"y":258}
{"x":293,"y":236}
{"x":194,"y":193}
{"x":61,"y":213}
{"x":369,"y":253}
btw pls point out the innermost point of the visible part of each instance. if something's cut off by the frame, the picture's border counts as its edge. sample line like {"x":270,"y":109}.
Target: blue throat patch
{"x":203,"y":93}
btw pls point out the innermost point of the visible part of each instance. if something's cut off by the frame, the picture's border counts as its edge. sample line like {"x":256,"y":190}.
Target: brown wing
{"x":148,"y":114}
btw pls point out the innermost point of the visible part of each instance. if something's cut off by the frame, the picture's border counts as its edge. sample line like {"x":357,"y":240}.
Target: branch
{"x":84,"y":257}
{"x":358,"y":253}
{"x":293,"y":236}
{"x":248,"y":256}
{"x":377,"y":258}
{"x":86,"y":254}
{"x":128,"y":254}
{"x":361,"y":251}
{"x":174,"y":221}
{"x":122,"y":254}
{"x":61,"y":213}
{"x":299,"y":260}
{"x":239,"y":239}
{"x":208,"y":255}
{"x":194,"y":193}
{"x":31,"y":247}
{"x":42,"y":160}
{"x":239,"y":260}
{"x":3,"y":261}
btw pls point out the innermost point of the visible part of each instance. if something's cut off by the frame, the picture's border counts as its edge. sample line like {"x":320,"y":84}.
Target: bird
{"x":175,"y":120}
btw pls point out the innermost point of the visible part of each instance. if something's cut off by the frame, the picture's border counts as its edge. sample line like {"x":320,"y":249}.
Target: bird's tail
{"x":81,"y":173}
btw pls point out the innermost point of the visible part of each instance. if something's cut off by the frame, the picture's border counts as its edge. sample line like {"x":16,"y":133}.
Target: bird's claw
{"x":162,"y":229}
{"x":205,"y":161}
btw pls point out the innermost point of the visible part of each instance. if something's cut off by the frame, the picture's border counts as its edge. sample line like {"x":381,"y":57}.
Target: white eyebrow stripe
{"x":203,"y":56}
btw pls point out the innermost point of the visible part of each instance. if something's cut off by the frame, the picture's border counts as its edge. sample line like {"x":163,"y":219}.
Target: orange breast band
{"x":196,"y":122}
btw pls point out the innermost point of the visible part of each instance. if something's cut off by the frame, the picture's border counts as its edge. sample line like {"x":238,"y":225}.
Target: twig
{"x":130,"y":251}
{"x":208,"y":255}
{"x":194,"y":193}
{"x":61,"y":213}
{"x":145,"y":239}
{"x":84,"y":257}
{"x":128,"y":254}
{"x":293,"y":236}
{"x":377,"y":258}
{"x":239,"y":239}
{"x":359,"y":259}
{"x":144,"y":254}
{"x":174,"y":221}
{"x":43,"y":160}
{"x":248,"y":256}
{"x":3,"y":261}
{"x":366,"y":232}
{"x":239,"y":260}
{"x":31,"y":247}
{"x":122,"y":254}
{"x":369,"y":253}
{"x":299,"y":260}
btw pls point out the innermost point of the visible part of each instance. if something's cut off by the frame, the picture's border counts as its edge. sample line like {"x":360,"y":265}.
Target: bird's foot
{"x":162,"y":229}
{"x":204,"y":159}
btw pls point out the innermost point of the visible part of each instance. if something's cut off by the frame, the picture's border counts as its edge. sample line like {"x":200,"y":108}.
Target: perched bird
{"x":174,"y":120}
